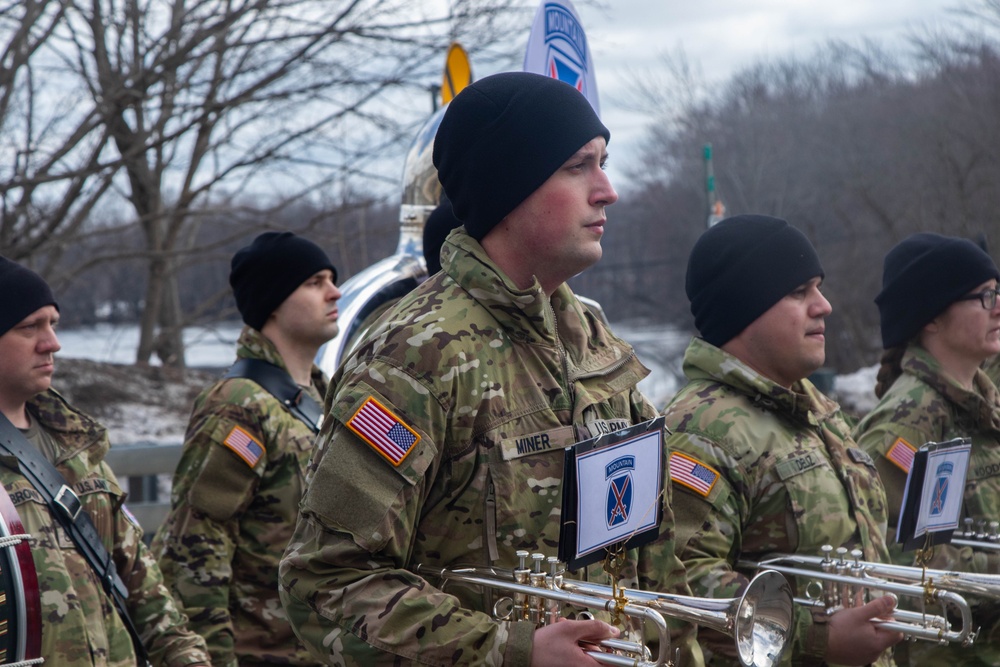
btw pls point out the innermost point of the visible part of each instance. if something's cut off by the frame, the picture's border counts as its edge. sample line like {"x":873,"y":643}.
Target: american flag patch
{"x":384,"y":431}
{"x":691,"y":473}
{"x":901,"y":453}
{"x":245,"y":445}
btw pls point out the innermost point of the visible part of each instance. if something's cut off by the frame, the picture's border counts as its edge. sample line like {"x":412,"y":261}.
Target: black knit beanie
{"x":24,"y":292}
{"x":741,"y":267}
{"x":921,"y":276}
{"x":502,"y":137}
{"x":265,"y":272}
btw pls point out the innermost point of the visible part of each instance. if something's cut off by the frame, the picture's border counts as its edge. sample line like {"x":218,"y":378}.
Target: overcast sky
{"x":719,"y":37}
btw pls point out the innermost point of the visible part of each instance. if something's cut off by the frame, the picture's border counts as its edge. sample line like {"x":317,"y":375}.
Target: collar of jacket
{"x":527,"y":315}
{"x":982,"y":405}
{"x":704,"y":361}
{"x":252,"y":344}
{"x":74,"y":430}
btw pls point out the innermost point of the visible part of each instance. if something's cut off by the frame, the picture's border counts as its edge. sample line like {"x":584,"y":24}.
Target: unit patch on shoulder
{"x":385,"y":432}
{"x":131,"y":517}
{"x":901,"y":453}
{"x":692,"y":473}
{"x":245,"y":445}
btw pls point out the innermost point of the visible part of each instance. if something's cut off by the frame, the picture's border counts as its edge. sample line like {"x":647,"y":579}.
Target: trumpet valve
{"x":553,"y":582}
{"x":519,"y":610}
{"x":846,"y":592}
{"x":968,"y":531}
{"x":536,"y":603}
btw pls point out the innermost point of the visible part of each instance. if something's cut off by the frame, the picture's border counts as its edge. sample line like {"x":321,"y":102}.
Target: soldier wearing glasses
{"x":940,"y":321}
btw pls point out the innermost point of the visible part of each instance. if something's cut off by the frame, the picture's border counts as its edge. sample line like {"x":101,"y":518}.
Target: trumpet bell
{"x":763,"y":620}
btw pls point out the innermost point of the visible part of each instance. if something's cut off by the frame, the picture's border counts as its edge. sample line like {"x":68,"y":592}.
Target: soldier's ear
{"x":933,"y":327}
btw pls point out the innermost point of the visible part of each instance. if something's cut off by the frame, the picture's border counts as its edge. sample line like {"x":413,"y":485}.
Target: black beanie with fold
{"x":921,"y":276}
{"x":741,"y":267}
{"x":24,"y":292}
{"x":265,"y":272}
{"x":502,"y":137}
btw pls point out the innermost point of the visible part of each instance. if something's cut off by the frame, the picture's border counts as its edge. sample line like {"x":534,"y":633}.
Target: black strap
{"x":280,"y":384}
{"x":68,"y":510}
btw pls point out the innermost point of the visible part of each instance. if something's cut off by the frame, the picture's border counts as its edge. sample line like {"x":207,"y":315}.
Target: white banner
{"x":943,"y":490}
{"x":557,"y":47}
{"x":618,"y":491}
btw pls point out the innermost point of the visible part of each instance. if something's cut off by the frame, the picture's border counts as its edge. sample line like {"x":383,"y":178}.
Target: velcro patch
{"x":901,"y":453}
{"x":533,"y":443}
{"x":798,"y":465}
{"x":692,"y":473}
{"x":860,"y":456}
{"x":386,"y":433}
{"x":244,"y":445}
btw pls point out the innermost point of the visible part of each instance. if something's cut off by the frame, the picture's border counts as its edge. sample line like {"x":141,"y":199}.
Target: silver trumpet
{"x":847,"y":582}
{"x":986,"y":538}
{"x":760,"y":621}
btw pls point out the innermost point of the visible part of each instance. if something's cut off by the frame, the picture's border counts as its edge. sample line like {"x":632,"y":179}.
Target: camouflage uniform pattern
{"x":922,"y":406}
{"x":80,"y":626}
{"x":229,"y":522}
{"x":789,"y":480}
{"x":496,"y":381}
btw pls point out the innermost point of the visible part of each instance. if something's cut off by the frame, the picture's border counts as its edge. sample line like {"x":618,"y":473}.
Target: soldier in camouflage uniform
{"x":241,"y":475}
{"x":479,"y":378}
{"x":940,"y":320}
{"x":80,"y":625}
{"x":762,"y":462}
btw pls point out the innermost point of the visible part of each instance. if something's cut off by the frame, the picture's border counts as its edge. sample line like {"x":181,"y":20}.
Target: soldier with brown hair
{"x":940,"y":320}
{"x":420,"y":460}
{"x":238,"y":484}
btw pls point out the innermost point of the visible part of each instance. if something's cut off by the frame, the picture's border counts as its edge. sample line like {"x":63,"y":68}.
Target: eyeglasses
{"x":988,"y":297}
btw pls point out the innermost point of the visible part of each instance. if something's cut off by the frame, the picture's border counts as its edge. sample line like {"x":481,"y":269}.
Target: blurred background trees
{"x":157,"y":134}
{"x":856,"y":146}
{"x":143,"y":141}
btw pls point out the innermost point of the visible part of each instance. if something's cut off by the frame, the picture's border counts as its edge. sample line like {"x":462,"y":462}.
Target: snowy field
{"x":660,"y":348}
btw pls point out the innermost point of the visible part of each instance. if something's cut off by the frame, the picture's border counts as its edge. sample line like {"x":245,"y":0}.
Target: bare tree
{"x":164,"y":111}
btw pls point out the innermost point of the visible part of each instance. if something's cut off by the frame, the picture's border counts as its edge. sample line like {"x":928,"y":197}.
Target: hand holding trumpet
{"x":567,"y":642}
{"x":854,"y":639}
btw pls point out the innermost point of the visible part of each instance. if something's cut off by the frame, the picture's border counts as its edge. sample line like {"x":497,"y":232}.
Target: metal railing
{"x":140,"y":463}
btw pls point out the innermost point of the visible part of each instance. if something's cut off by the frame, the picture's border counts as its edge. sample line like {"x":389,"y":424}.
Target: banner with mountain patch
{"x":557,"y":48}
{"x":612,"y":493}
{"x":935,"y":490}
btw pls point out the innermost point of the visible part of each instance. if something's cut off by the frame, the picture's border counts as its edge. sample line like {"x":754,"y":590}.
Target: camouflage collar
{"x":528,"y":315}
{"x":252,"y":344}
{"x":704,"y":361}
{"x":77,"y":430}
{"x":981,"y":406}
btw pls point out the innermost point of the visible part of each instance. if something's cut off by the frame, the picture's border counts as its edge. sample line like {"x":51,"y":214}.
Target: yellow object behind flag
{"x":457,"y":73}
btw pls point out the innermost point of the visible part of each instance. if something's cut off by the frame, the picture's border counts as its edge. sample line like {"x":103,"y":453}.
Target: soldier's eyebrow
{"x":588,"y":152}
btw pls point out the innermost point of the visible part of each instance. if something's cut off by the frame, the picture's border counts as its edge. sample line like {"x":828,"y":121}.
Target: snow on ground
{"x":856,"y":391}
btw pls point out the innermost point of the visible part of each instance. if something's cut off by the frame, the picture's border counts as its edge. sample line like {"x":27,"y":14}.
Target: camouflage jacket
{"x":759,"y":469}
{"x":922,"y":406}
{"x":235,"y":497}
{"x":485,"y":384}
{"x":80,"y":626}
